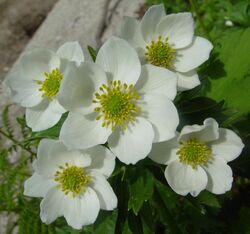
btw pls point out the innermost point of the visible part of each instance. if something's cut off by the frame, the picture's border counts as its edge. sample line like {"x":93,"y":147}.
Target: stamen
{"x":117,"y":104}
{"x":50,"y":86}
{"x":194,"y":153}
{"x":160,"y":53}
{"x":71,"y":179}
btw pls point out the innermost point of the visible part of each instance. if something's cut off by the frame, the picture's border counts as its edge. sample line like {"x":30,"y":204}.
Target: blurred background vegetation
{"x":146,"y":203}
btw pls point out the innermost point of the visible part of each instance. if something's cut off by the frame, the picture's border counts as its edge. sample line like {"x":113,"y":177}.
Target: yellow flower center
{"x":117,"y":104}
{"x":194,"y":153}
{"x":72,"y":179}
{"x":160,"y":53}
{"x":50,"y":86}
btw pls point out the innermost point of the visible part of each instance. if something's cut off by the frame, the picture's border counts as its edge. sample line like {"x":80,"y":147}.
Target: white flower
{"x":168,"y":41}
{"x":117,"y":100}
{"x":37,"y":81}
{"x":197,"y":158}
{"x":72,"y":183}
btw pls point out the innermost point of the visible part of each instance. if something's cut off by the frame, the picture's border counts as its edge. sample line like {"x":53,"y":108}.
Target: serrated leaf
{"x":140,"y":189}
{"x":233,"y":86}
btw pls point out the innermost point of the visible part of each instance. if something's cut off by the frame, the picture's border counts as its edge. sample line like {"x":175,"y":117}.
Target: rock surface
{"x":89,"y":22}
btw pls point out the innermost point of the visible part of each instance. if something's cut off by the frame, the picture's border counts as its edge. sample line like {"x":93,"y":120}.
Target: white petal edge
{"x":71,"y":51}
{"x":134,"y":143}
{"x":193,"y":56}
{"x":79,"y":85}
{"x":37,"y":186}
{"x":51,"y":206}
{"x":105,"y":193}
{"x":220,"y":176}
{"x":44,"y":116}
{"x":119,"y":60}
{"x":150,"y":20}
{"x":81,"y":210}
{"x":209,"y":131}
{"x":53,"y":154}
{"x":165,"y":152}
{"x":187,"y":80}
{"x":157,"y":80}
{"x":183,"y":179}
{"x":23,"y":91}
{"x":103,"y":160}
{"x":162,"y":114}
{"x":82,"y":132}
{"x":229,"y":146}
{"x":178,"y":28}
{"x":130,"y":31}
{"x":35,"y":62}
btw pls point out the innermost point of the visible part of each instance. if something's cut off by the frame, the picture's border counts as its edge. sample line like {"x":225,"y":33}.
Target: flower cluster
{"x":126,"y":100}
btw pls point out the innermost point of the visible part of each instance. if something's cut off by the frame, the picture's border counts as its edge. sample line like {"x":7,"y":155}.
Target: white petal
{"x":44,"y":116}
{"x":150,"y":20}
{"x":43,"y":153}
{"x":119,"y":60}
{"x":130,"y":31}
{"x":183,"y":179}
{"x":219,"y":176}
{"x":134,"y":143}
{"x":71,"y":51}
{"x":187,"y":80}
{"x":105,"y":193}
{"x":37,"y":186}
{"x":81,"y":210}
{"x":158,"y":80}
{"x":194,"y":55}
{"x":178,"y":28}
{"x":165,"y":152}
{"x":59,"y":155}
{"x":209,"y":131}
{"x":53,"y":154}
{"x":36,"y":62}
{"x":51,"y":205}
{"x":103,"y":160}
{"x":228,"y":146}
{"x":79,"y":85}
{"x":81,"y":132}
{"x":23,"y":91}
{"x":162,"y":113}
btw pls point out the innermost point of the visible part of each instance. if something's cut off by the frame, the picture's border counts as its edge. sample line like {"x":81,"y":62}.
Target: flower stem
{"x":16,"y":142}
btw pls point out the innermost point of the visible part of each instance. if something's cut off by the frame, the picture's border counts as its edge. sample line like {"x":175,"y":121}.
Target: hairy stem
{"x":16,"y":142}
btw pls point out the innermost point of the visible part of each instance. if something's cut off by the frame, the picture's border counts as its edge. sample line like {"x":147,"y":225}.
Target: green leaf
{"x":195,"y":110}
{"x":208,"y":199}
{"x":140,"y":189}
{"x":51,"y":132}
{"x":105,"y":222}
{"x":92,"y":52}
{"x":233,"y":84}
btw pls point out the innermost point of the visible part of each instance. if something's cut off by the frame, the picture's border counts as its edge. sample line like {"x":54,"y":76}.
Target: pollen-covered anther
{"x":50,"y":86}
{"x":160,"y":53}
{"x":117,"y":104}
{"x":72,"y":179}
{"x":194,"y":153}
